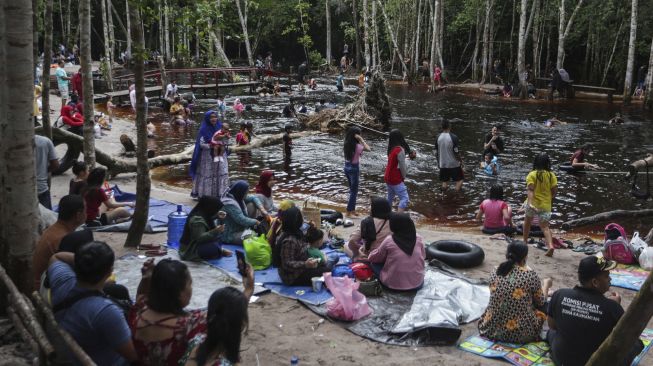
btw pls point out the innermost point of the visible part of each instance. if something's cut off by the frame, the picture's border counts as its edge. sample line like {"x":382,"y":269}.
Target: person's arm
{"x":239,"y":217}
{"x":506,"y":213}
{"x":250,"y":198}
{"x":530,"y":193}
{"x":248,"y":282}
{"x":288,"y":258}
{"x":488,"y":144}
{"x":146,"y":277}
{"x":52,"y":157}
{"x":479,"y":213}
{"x":200,"y":233}
{"x":401,"y":158}
{"x":66,"y":257}
{"x":360,"y":139}
{"x":551,"y":322}
{"x":379,"y":254}
{"x":128,"y":351}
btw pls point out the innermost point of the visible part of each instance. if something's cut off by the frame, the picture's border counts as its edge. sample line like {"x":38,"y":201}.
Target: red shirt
{"x":94,"y":198}
{"x":392,"y":174}
{"x":76,"y":80}
{"x":578,"y":155}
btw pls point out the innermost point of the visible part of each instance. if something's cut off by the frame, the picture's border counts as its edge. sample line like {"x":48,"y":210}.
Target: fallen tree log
{"x":116,"y":165}
{"x":639,"y":164}
{"x":606,"y":216}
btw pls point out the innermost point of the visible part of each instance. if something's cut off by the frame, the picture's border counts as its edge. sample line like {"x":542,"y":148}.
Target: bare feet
{"x":549,"y":253}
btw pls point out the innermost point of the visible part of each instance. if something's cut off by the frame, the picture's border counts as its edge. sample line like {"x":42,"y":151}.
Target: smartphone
{"x":240,"y":259}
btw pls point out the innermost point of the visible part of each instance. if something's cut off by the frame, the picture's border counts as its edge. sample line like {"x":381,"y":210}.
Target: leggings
{"x":208,"y":251}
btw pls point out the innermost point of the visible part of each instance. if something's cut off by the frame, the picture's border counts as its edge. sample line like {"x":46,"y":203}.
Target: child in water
{"x":238,"y":108}
{"x":287,"y":142}
{"x":490,"y":164}
{"x":277,"y":88}
{"x":242,"y":137}
{"x":552,"y":122}
{"x":219,"y":141}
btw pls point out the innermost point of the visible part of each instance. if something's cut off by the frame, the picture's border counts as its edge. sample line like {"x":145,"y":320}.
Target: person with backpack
{"x":542,"y":186}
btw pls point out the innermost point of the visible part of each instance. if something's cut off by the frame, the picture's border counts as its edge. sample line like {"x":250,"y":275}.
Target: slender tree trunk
{"x":376,"y":52}
{"x":329,"y":58}
{"x":393,"y":37}
{"x":614,"y":48}
{"x":476,"y":45}
{"x":512,"y":33}
{"x":521,"y":51}
{"x":107,"y":46}
{"x":485,"y":61}
{"x":242,"y":15}
{"x":35,"y":35}
{"x":128,"y":30}
{"x":434,"y":43}
{"x":441,"y":35}
{"x":68,"y":22}
{"x":161,"y":30}
{"x":366,"y":35}
{"x":112,"y":36}
{"x":47,"y":59}
{"x":218,"y":47}
{"x":166,"y":30}
{"x":418,"y":31}
{"x":87,"y":80}
{"x":563,"y":31}
{"x":4,"y":243}
{"x":19,"y":207}
{"x":536,"y":39}
{"x":648,"y":102}
{"x":143,"y":183}
{"x":628,"y":82}
{"x":354,"y":6}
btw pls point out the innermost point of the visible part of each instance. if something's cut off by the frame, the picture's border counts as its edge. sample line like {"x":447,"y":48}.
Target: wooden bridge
{"x":195,"y":79}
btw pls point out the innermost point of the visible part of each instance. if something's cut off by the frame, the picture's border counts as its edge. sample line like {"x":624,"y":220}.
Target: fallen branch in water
{"x":606,"y":216}
{"x":117,"y":165}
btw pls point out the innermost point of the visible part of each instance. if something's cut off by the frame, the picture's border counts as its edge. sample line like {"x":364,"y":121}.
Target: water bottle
{"x":176,"y":223}
{"x":294,"y":361}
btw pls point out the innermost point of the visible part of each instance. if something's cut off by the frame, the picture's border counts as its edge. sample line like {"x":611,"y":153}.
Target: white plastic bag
{"x":637,"y":244}
{"x":646,"y":258}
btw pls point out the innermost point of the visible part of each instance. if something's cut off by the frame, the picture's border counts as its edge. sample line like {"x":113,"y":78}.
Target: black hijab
{"x":207,"y":207}
{"x":403,"y":232}
{"x":292,"y":221}
{"x":381,"y":208}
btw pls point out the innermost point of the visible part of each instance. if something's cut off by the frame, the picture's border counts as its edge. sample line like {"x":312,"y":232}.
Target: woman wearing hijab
{"x":395,"y":171}
{"x":210,"y":178}
{"x":235,"y":205}
{"x":264,"y":194}
{"x":295,"y":267}
{"x":373,"y":229}
{"x":200,"y":239}
{"x":399,"y":260}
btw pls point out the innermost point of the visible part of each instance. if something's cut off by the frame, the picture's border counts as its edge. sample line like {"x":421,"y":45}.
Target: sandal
{"x":149,"y":246}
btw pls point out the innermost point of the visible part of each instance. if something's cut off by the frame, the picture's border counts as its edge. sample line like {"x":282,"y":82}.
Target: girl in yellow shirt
{"x":542,"y":186}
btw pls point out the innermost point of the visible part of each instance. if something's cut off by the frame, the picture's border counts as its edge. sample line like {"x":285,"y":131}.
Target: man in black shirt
{"x":493,"y":142}
{"x":580,"y":319}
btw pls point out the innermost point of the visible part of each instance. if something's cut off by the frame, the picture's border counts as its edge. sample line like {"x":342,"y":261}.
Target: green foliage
{"x":349,"y":31}
{"x":315,"y":58}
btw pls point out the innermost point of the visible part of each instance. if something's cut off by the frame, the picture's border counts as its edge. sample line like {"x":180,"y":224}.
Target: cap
{"x":592,"y":266}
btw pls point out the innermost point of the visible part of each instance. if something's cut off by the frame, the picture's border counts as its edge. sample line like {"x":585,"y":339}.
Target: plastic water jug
{"x":294,"y":361}
{"x":176,"y":223}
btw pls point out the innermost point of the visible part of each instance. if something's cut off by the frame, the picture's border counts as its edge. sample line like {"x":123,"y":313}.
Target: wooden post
{"x":217,"y":89}
{"x":191,"y":81}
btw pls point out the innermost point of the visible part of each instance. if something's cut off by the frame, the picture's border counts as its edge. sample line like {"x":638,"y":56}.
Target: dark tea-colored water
{"x":317,"y":162}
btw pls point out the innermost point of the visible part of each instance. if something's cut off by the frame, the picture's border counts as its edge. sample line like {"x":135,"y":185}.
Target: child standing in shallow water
{"x":110,"y":108}
{"x":542,"y":187}
{"x":219,"y":142}
{"x":238,"y":108}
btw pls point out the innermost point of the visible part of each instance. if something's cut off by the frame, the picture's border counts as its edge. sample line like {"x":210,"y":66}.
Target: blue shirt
{"x":96,"y":323}
{"x":339,"y":80}
{"x":488,"y":167}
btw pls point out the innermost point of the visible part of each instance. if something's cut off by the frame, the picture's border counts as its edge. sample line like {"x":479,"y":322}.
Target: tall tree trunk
{"x":485,"y":61}
{"x":376,"y":52}
{"x":69,"y":11}
{"x":327,"y":6}
{"x":143,"y":183}
{"x":242,"y":15}
{"x":521,"y":52}
{"x":366,"y":35}
{"x":434,"y":43}
{"x":476,"y":45}
{"x":19,"y":207}
{"x":87,"y":80}
{"x":35,"y":35}
{"x":218,"y":47}
{"x":107,"y":46}
{"x":512,"y":33}
{"x":166,"y":30}
{"x":648,"y":102}
{"x":564,"y":27}
{"x":354,"y":6}
{"x":393,"y":37}
{"x":128,"y":30}
{"x":628,"y":82}
{"x":47,"y":59}
{"x":614,"y":48}
{"x":112,"y":36}
{"x":441,"y":35}
{"x":160,"y":28}
{"x":418,"y":31}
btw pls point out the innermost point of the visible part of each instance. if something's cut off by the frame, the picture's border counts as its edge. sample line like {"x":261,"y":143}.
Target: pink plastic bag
{"x":347,"y":304}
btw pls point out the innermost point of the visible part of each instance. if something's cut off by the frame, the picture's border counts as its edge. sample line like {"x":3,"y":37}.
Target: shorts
{"x":543,"y":216}
{"x":451,"y":174}
{"x":63,"y":90}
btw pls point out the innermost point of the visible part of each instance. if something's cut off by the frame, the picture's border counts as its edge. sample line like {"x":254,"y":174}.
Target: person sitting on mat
{"x":372,"y":230}
{"x":496,"y":214}
{"x":517,"y":299}
{"x":580,"y":319}
{"x":578,"y":159}
{"x":315,"y":238}
{"x":200,"y":239}
{"x":399,"y":261}
{"x":94,"y":196}
{"x":235,"y":202}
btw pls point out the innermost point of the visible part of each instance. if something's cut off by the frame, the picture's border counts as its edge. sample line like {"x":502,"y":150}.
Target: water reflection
{"x":317,"y":161}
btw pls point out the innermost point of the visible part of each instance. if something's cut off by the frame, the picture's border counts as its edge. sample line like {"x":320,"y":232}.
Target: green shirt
{"x":199,"y":234}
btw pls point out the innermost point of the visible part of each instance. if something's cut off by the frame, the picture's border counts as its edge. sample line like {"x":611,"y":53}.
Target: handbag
{"x":311,"y":212}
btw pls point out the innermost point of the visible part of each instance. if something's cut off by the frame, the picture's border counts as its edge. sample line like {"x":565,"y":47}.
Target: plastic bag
{"x":348,"y":303}
{"x":258,"y":252}
{"x":637,"y":244}
{"x":646,"y":258}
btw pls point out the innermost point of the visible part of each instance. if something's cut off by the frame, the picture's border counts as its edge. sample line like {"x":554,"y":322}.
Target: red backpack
{"x":615,"y":245}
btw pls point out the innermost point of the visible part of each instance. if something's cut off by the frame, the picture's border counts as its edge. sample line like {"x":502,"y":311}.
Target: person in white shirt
{"x":132,"y":99}
{"x":171,"y":91}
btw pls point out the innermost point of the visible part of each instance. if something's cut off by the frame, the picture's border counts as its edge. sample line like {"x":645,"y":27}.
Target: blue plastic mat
{"x":270,"y":278}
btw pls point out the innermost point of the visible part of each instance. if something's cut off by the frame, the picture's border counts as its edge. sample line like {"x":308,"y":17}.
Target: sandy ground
{"x":280,"y":328}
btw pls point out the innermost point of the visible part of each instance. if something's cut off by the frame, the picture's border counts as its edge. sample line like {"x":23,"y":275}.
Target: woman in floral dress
{"x":517,"y":298}
{"x":210,"y":178}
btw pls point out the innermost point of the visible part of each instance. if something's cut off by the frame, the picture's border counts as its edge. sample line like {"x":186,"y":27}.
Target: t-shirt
{"x":358,"y":151}
{"x":448,"y":150}
{"x":94,"y":199}
{"x":340,"y":80}
{"x":288,"y":110}
{"x":44,"y":152}
{"x":132,"y":98}
{"x":242,"y":138}
{"x":96,"y":323}
{"x":61,"y":74}
{"x":75,"y":187}
{"x":171,"y":90}
{"x":583,"y":318}
{"x":493,"y":213}
{"x":498,"y":142}
{"x":579,"y":155}
{"x":176,"y":108}
{"x":542,"y":198}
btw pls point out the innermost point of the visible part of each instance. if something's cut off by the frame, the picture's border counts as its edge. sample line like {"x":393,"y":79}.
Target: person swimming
{"x":552,"y":122}
{"x":490,"y":164}
{"x":616,"y":120}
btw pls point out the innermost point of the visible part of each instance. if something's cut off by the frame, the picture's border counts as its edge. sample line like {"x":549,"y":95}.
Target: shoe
{"x":348,"y":223}
{"x":104,"y":220}
{"x":549,"y":253}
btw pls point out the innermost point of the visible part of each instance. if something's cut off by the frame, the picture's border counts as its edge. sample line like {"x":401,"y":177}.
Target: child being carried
{"x":219,"y":141}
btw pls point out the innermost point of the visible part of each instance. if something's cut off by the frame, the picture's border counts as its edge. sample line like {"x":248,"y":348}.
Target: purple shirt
{"x":355,"y":159}
{"x":400,"y":271}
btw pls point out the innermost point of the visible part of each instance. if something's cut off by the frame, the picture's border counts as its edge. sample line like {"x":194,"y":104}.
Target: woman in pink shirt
{"x":496,"y":213}
{"x":354,"y":147}
{"x":399,"y":261}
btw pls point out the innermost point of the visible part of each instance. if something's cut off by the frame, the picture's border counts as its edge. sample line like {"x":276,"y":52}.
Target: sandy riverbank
{"x":280,"y":328}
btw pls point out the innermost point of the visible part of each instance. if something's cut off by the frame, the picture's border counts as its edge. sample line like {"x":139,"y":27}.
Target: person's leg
{"x":391,"y":193}
{"x":45,"y":199}
{"x":353,"y":177}
{"x":527,"y":228}
{"x":118,"y":215}
{"x":252,"y":210}
{"x":459,"y":185}
{"x":304,"y":279}
{"x":548,"y":237}
{"x":402,"y":192}
{"x":208,"y":251}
